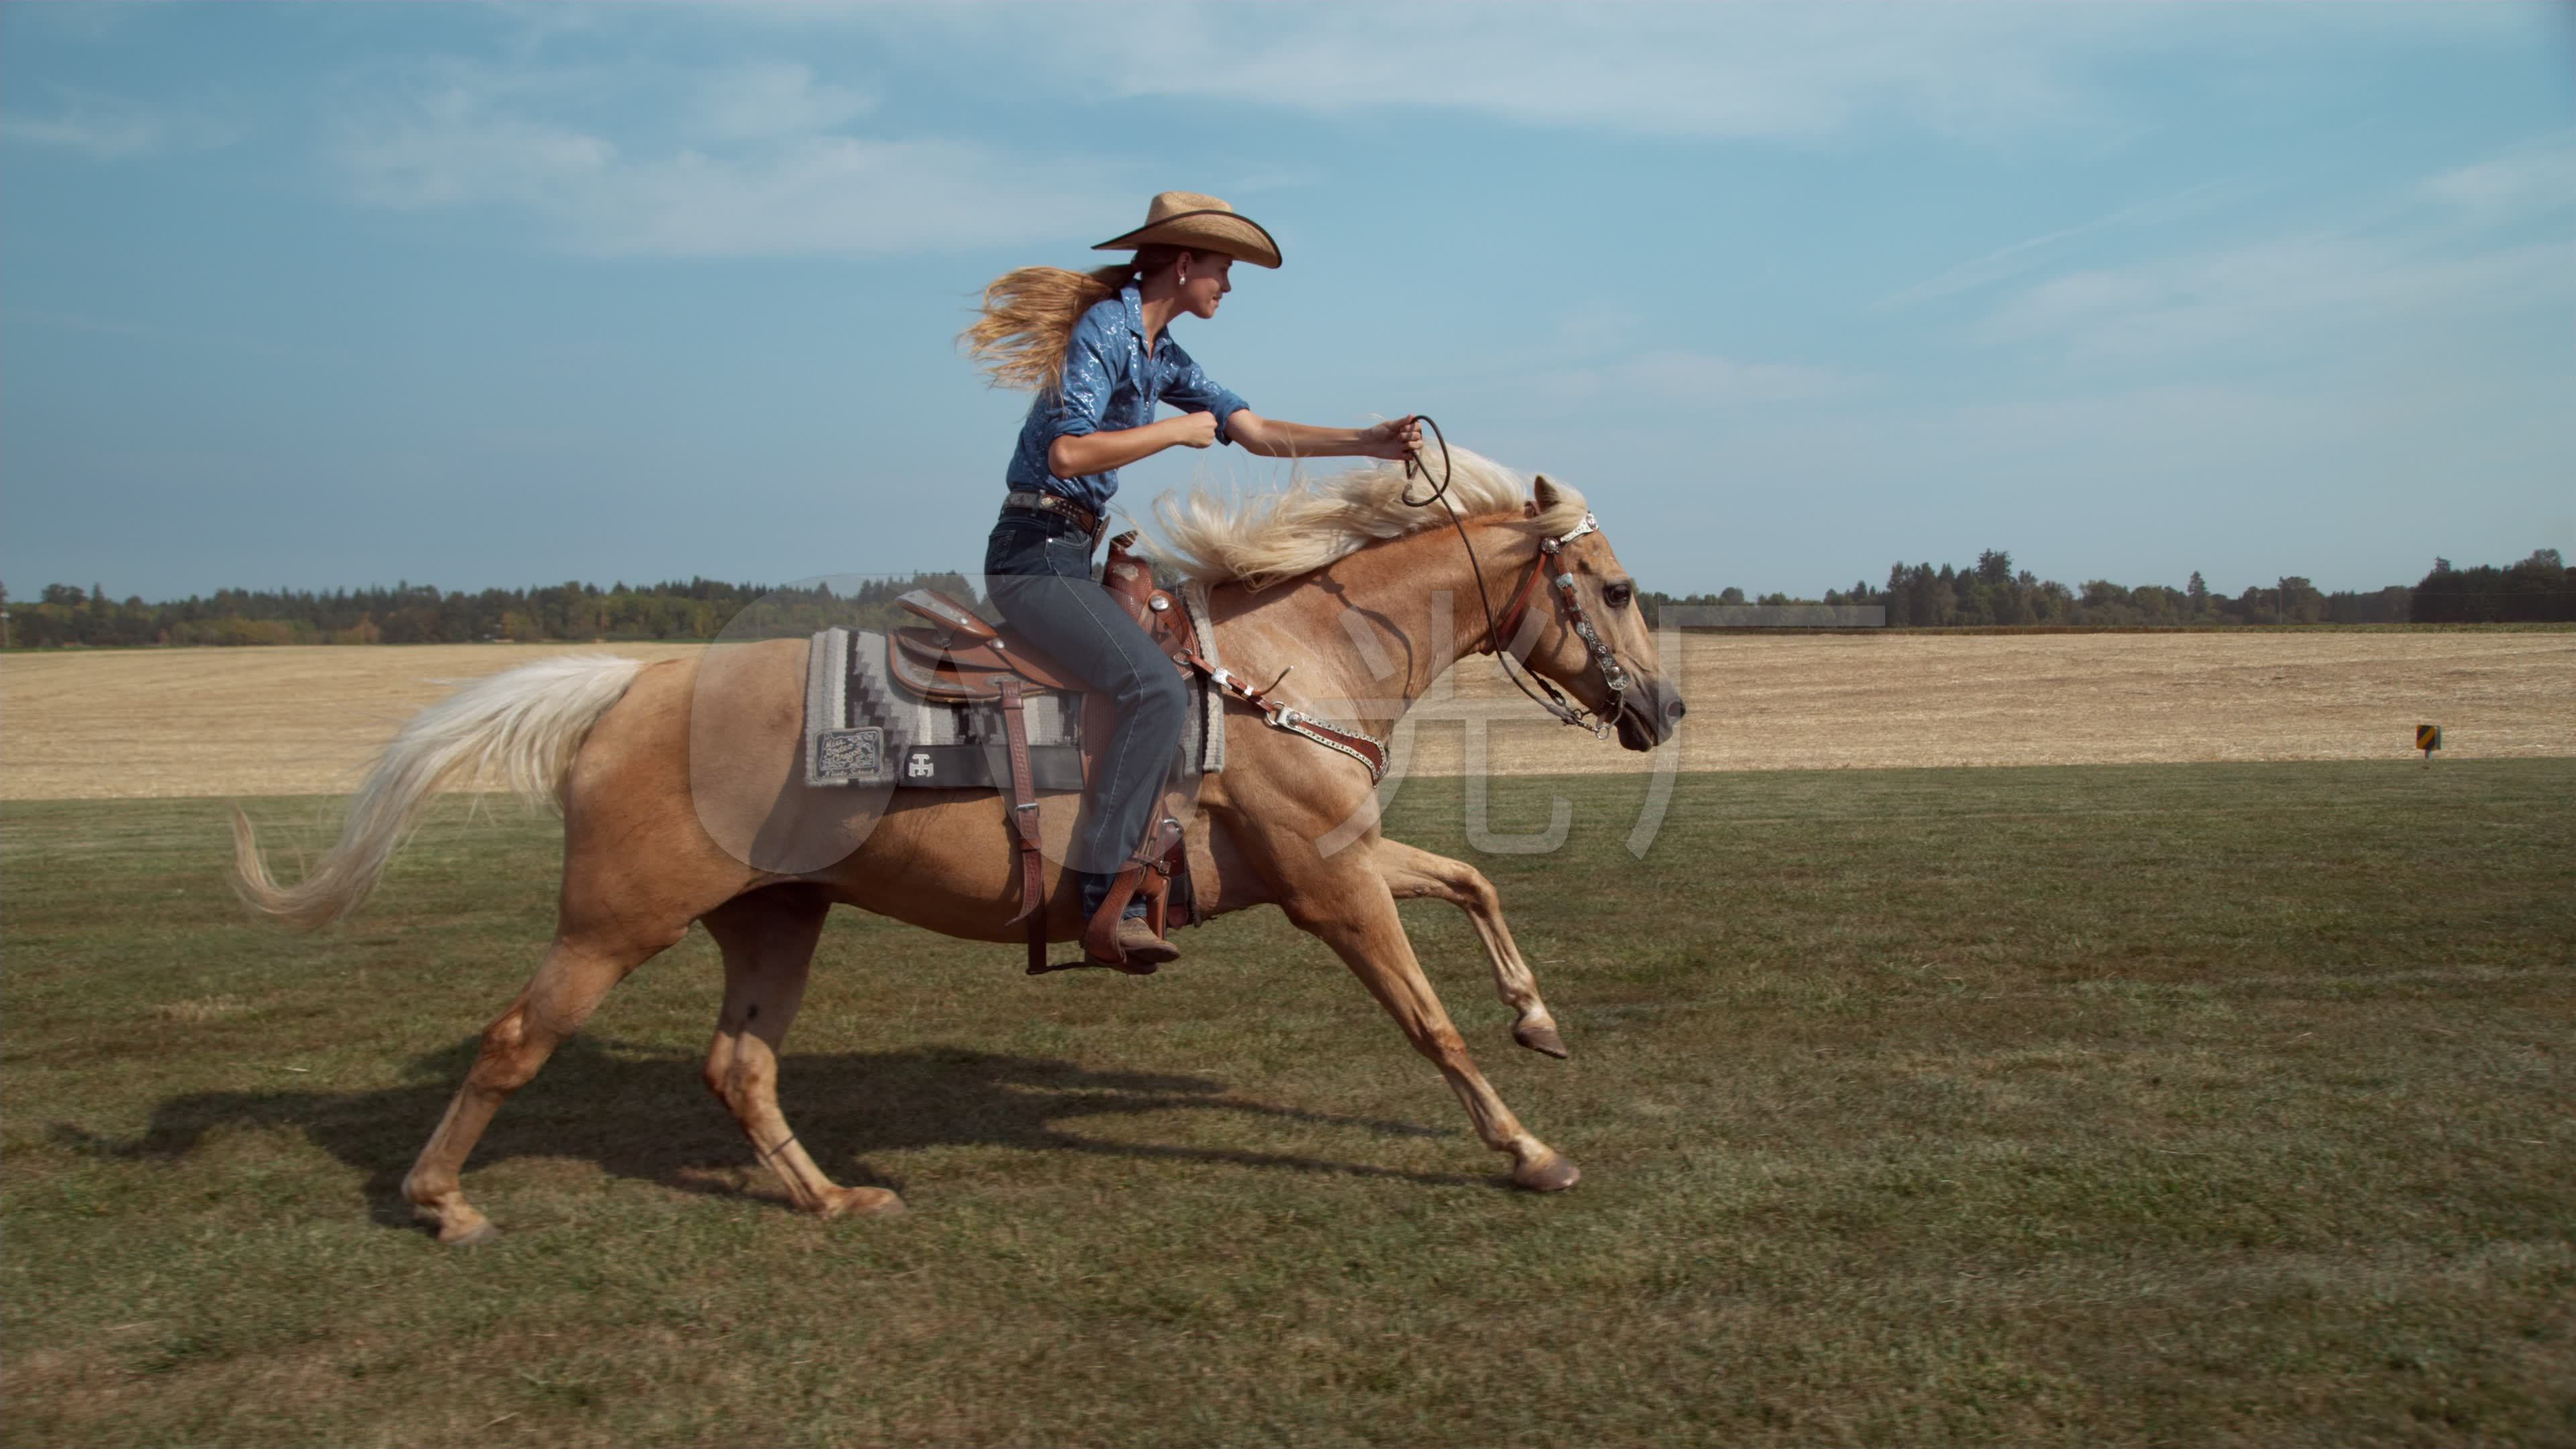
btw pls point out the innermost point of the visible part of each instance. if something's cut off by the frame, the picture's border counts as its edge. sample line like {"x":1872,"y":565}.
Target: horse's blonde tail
{"x":523,"y":726}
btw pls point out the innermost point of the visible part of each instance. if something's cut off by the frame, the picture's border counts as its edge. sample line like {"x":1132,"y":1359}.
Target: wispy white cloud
{"x":2437,"y":251}
{"x":1710,"y":71}
{"x":1679,"y":374}
{"x":454,"y":154}
{"x":1721,"y":71}
{"x":1265,"y":180}
{"x":777,"y":98}
{"x":2030,"y":253}
{"x":841,"y":195}
{"x":112,"y":128}
{"x":755,"y":167}
{"x":1684,"y":381}
{"x":2532,"y":180}
{"x":103,"y":138}
{"x":2273,"y":293}
{"x":1600,"y":356}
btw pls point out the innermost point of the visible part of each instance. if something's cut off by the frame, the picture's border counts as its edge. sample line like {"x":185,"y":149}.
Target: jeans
{"x":1037,"y":571}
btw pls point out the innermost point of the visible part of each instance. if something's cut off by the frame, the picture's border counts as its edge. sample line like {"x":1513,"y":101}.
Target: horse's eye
{"x":1618,"y":595}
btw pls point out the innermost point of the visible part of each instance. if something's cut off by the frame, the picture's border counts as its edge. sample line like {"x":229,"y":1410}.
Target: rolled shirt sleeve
{"x":1078,"y":407}
{"x":1193,"y":391}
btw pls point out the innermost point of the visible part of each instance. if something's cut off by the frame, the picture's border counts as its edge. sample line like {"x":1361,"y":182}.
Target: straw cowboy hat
{"x":1187,"y":219}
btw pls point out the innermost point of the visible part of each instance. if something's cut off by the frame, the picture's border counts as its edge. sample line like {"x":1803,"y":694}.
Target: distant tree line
{"x":1991,"y":591}
{"x":2538,"y":588}
{"x":409,"y":613}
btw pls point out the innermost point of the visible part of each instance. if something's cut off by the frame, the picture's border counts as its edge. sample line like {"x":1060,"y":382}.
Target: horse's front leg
{"x":1414,"y":873}
{"x":1354,"y":913}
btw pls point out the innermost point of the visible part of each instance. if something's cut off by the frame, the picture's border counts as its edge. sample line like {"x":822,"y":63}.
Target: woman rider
{"x":1096,"y":349}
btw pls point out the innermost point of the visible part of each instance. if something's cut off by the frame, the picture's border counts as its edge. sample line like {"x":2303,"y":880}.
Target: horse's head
{"x":1584,"y":607}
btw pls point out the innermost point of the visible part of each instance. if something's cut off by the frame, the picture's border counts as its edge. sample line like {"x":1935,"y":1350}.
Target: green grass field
{"x":2154,"y":1105}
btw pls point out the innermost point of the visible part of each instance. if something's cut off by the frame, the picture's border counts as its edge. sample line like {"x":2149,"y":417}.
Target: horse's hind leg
{"x":1412,"y":872}
{"x":768,"y":942}
{"x":576,"y":976}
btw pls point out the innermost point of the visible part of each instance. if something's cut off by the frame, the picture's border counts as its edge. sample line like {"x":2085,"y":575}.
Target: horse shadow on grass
{"x":642,"y":1113}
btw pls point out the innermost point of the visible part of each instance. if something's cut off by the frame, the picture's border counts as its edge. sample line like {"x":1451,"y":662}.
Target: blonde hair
{"x":1269,"y":538}
{"x":1029,"y":315}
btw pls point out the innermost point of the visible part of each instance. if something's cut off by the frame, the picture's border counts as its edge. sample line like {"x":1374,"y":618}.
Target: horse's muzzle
{"x":1651,"y":717}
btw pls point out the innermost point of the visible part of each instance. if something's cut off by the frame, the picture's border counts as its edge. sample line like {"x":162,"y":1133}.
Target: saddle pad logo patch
{"x":849,"y":754}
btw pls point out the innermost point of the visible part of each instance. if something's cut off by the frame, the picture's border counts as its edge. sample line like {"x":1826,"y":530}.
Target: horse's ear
{"x":1543,"y":496}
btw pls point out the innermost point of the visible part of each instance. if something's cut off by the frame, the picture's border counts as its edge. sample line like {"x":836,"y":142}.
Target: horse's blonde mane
{"x":1265,"y":538}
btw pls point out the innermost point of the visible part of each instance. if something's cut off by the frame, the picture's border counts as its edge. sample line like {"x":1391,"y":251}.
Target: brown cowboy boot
{"x":1128,"y":943}
{"x":1139,"y":946}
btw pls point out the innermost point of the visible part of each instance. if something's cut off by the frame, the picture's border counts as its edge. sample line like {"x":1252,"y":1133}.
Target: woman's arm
{"x":1073,"y":455}
{"x":1076,"y":454}
{"x":1394,"y":438}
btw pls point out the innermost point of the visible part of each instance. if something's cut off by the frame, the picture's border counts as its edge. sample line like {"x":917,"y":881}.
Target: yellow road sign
{"x":2428,"y":738}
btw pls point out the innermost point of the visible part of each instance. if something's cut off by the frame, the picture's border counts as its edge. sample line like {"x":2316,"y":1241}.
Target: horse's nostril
{"x":1673,"y":708}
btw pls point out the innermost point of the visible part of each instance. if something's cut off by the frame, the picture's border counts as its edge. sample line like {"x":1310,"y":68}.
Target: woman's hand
{"x":1192,"y":430}
{"x":1395,"y":438}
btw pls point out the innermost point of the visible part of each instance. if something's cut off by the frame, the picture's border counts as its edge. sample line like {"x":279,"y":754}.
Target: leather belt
{"x":1054,"y":507}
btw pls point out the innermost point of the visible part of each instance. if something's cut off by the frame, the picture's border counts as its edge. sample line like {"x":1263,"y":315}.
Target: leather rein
{"x":1547,"y":563}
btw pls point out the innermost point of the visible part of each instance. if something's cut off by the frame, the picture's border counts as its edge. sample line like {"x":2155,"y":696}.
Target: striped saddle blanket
{"x":865,"y":726}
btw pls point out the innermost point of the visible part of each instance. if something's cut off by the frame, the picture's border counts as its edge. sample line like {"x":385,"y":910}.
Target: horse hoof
{"x":1541,"y":1039}
{"x":863,"y":1202}
{"x":470,"y":1235}
{"x":1552,"y":1173}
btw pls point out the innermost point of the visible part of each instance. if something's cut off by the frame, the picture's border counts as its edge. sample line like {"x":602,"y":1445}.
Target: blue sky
{"x":475,"y":295}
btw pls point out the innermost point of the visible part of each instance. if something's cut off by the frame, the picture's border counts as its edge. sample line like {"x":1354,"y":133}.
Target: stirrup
{"x":1140,"y":951}
{"x":1106,"y":939}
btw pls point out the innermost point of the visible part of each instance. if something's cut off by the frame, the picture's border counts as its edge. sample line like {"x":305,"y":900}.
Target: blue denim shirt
{"x":1111,"y":383}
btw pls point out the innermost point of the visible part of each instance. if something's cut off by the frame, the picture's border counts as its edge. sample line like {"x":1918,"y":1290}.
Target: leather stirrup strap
{"x":1024,"y":822}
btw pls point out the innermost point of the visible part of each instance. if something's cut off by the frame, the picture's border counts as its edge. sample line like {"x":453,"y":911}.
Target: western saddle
{"x":955,"y":656}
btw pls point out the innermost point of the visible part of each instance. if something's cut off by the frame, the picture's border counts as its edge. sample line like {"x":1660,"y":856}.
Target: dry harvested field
{"x":125,"y":723}
{"x":305,"y":721}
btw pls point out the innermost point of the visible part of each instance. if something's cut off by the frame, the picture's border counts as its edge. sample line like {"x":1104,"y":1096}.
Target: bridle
{"x":1548,"y":563}
{"x":1613,"y":678}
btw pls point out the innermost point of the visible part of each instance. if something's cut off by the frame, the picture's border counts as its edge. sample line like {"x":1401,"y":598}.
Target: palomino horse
{"x":1369,"y":599}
